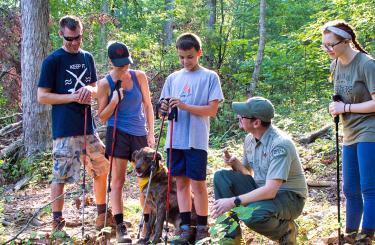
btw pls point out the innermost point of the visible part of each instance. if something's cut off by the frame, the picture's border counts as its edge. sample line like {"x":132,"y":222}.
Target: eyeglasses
{"x":243,"y":117}
{"x":71,"y":39}
{"x":326,"y":47}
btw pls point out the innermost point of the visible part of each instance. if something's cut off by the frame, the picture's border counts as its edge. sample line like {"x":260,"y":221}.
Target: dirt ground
{"x":317,"y":224}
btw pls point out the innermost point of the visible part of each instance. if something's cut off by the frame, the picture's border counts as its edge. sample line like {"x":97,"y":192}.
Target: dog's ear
{"x":158,"y":156}
{"x":134,"y":155}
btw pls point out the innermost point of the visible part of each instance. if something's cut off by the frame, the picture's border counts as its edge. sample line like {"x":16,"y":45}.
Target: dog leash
{"x":117,"y":87}
{"x":151,"y":172}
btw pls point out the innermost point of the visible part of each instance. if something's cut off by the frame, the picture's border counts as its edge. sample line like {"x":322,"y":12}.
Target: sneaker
{"x":290,"y":237}
{"x":58,"y":224}
{"x":186,"y":235}
{"x":201,"y":232}
{"x":99,"y":224}
{"x":122,"y":235}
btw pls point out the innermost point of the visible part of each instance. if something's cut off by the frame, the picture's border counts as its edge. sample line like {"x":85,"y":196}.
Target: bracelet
{"x":345,"y":108}
{"x":350,"y":110}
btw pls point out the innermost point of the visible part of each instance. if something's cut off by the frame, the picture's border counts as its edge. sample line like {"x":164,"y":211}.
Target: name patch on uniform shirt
{"x":278,"y":151}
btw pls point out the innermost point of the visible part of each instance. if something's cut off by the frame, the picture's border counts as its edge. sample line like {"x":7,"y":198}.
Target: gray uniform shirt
{"x":193,"y":88}
{"x":275,"y":156}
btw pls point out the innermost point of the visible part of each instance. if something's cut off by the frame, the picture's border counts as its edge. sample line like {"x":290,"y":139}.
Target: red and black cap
{"x":119,"y":54}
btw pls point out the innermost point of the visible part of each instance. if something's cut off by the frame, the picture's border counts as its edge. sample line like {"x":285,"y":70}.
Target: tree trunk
{"x":210,"y":35}
{"x":262,"y":44}
{"x":36,"y":117}
{"x":221,"y":30}
{"x":103,"y":34}
{"x":212,"y":13}
{"x":168,"y":30}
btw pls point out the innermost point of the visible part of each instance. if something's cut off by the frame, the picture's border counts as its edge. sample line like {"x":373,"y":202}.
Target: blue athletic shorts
{"x":191,"y":163}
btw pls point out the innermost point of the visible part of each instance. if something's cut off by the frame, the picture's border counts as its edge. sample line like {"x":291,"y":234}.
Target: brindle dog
{"x":157,"y":194}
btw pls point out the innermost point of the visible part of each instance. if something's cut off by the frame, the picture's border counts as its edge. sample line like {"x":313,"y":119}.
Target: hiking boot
{"x":186,"y":235}
{"x":349,"y":238}
{"x":58,"y":224}
{"x":99,"y":224}
{"x":364,"y":239}
{"x":201,"y":232}
{"x":290,"y":237}
{"x":122,"y":235}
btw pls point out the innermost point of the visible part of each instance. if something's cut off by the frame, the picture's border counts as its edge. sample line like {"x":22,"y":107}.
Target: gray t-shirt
{"x":355,"y":82}
{"x":197,"y":87}
{"x":275,"y":156}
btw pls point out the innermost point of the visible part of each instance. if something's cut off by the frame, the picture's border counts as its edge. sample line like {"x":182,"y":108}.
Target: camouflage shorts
{"x":67,"y":158}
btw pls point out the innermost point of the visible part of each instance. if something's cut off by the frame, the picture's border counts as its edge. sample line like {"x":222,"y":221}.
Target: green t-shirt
{"x":275,"y":156}
{"x":355,"y":82}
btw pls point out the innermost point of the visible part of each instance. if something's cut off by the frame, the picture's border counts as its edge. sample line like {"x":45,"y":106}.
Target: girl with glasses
{"x":353,"y":75}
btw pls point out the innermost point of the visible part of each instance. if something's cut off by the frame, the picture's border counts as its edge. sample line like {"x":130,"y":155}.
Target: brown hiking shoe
{"x":290,"y":237}
{"x":364,"y":239}
{"x":99,"y":224}
{"x":122,"y":235}
{"x":58,"y":224}
{"x":201,"y":232}
{"x":186,"y":235}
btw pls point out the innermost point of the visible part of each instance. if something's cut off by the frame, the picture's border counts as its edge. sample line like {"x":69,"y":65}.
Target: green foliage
{"x":39,"y":167}
{"x":225,"y":224}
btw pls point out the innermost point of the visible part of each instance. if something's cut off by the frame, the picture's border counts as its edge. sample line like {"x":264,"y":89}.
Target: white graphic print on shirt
{"x":78,"y":80}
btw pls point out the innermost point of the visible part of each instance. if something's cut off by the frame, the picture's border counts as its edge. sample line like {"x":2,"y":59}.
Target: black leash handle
{"x":173,"y":114}
{"x":336,"y":98}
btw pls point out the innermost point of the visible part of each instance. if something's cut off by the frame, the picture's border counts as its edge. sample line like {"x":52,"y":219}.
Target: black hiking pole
{"x":152,"y":168}
{"x":84,"y":151}
{"x":171,"y":117}
{"x":337,"y":97}
{"x":117,"y":89}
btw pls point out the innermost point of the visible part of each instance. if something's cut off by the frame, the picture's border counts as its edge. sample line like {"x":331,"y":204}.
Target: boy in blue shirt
{"x":196,"y":92}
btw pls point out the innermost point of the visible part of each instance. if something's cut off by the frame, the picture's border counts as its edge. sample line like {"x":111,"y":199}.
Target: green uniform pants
{"x":271,"y":217}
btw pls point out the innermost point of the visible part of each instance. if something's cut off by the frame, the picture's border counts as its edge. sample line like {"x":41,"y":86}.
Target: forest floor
{"x":317,"y":225}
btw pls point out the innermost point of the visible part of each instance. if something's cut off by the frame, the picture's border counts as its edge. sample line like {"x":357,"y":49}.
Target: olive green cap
{"x":255,"y":107}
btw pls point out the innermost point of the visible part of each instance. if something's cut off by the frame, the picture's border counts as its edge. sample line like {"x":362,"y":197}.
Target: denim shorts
{"x":191,"y":163}
{"x":67,"y":158}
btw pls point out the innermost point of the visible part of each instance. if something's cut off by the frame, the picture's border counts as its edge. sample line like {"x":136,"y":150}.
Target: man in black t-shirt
{"x":68,"y":83}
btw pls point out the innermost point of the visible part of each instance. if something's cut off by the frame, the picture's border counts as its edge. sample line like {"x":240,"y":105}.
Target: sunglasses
{"x":71,"y":39}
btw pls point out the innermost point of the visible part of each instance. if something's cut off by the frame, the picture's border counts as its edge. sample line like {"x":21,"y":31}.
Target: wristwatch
{"x":237,"y":201}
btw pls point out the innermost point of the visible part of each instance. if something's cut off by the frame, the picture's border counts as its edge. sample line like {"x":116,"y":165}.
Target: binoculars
{"x":172,"y":114}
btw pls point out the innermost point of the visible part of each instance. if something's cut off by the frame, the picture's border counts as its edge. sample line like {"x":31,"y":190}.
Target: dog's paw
{"x":155,"y":241}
